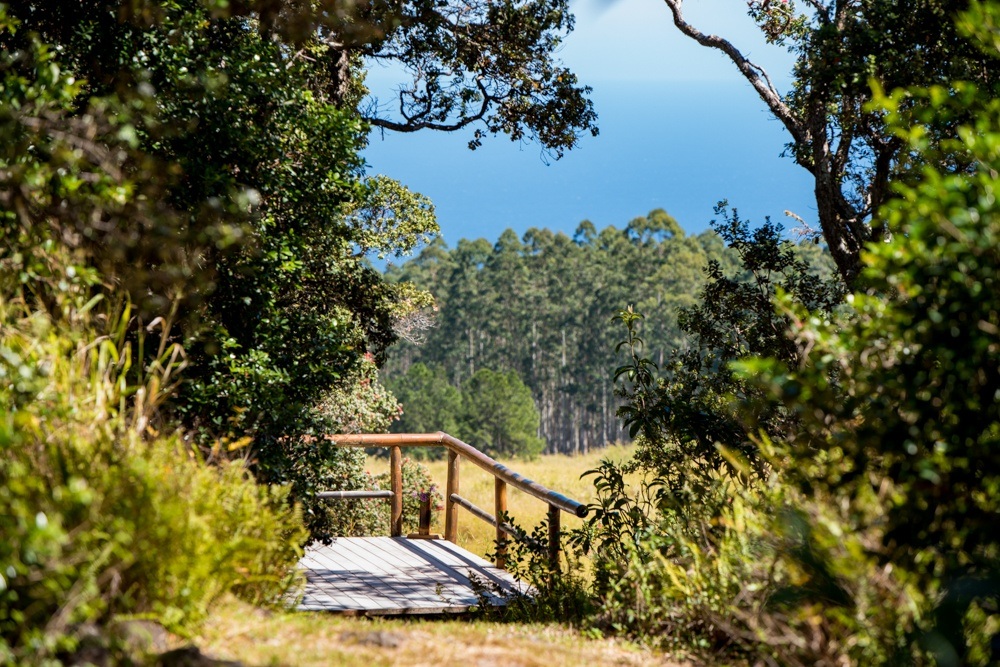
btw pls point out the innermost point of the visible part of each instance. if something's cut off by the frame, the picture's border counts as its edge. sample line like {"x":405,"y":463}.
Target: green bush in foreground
{"x":102,"y":517}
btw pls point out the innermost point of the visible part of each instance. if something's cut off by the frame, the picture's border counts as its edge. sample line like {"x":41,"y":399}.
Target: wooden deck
{"x":396,"y":575}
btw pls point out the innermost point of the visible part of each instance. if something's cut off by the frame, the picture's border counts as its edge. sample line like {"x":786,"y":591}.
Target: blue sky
{"x":680,"y":130}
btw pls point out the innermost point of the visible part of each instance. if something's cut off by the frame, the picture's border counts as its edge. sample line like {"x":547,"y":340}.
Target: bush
{"x":668,"y":567}
{"x":102,"y":516}
{"x":898,"y":400}
{"x":685,"y":410}
{"x":417,"y":482}
{"x":745,"y":575}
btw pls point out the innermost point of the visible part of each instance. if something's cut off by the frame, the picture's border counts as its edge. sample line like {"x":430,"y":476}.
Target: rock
{"x":142,"y":637}
{"x":91,"y":648}
{"x":374,"y":638}
{"x":191,"y":656}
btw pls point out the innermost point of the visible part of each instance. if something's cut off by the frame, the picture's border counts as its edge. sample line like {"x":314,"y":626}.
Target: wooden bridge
{"x":420,"y":574}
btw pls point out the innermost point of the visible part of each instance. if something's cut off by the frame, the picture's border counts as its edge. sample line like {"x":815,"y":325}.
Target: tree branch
{"x":823,"y":11}
{"x":752,"y":72}
{"x":409,"y":124}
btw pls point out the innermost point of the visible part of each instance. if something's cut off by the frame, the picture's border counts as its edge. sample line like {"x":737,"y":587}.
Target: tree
{"x":499,"y":415}
{"x":428,"y":402}
{"x":482,"y":63}
{"x":249,"y":225}
{"x":557,"y":333}
{"x":693,"y":413}
{"x":899,"y":399}
{"x":105,"y":510}
{"x":844,"y":144}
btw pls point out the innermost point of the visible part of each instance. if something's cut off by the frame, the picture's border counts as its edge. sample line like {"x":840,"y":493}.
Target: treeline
{"x":543,"y":306}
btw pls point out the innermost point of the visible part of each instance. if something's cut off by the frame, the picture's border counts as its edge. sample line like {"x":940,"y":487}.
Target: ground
{"x":260,"y":638}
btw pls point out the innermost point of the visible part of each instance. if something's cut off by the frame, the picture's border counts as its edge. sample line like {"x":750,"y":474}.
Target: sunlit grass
{"x":258,"y":638}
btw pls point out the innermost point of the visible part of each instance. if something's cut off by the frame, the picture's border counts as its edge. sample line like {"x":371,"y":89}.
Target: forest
{"x":188,"y":307}
{"x":543,"y":307}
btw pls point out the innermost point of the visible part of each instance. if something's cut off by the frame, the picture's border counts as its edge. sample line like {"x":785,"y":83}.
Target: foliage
{"x":557,"y":333}
{"x":666,"y":572}
{"x":847,"y":147}
{"x":698,"y":417}
{"x":315,"y":464}
{"x":499,"y":416}
{"x":872,"y":539}
{"x":101,"y":516}
{"x":199,"y":160}
{"x":482,"y":63}
{"x":253,"y":163}
{"x":493,"y":411}
{"x":74,"y":176}
{"x":544,"y":596}
{"x":913,"y":413}
{"x":417,"y":484}
{"x":743,"y":575}
{"x":428,"y":403}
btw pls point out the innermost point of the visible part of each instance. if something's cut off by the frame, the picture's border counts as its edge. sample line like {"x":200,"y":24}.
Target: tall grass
{"x":102,"y":515}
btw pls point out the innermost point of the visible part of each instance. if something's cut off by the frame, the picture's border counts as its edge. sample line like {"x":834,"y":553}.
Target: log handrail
{"x":456,"y":448}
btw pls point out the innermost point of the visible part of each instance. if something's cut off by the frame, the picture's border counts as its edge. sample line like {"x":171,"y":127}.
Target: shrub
{"x":543,"y":597}
{"x":898,"y":400}
{"x":694,"y":403}
{"x":102,"y":516}
{"x":668,"y":568}
{"x":417,"y":482}
{"x":746,"y":575}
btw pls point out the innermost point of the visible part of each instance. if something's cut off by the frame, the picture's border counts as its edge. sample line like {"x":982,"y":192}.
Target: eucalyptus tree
{"x":542,"y":306}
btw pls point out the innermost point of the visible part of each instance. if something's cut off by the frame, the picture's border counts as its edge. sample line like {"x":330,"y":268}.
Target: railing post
{"x":450,"y":508}
{"x":553,"y":540}
{"x":499,"y":510}
{"x":396,"y":481}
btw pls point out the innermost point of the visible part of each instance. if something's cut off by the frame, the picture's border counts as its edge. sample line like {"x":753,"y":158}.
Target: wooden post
{"x":553,"y":540}
{"x":499,"y":509}
{"x":396,"y":481}
{"x":450,"y":508}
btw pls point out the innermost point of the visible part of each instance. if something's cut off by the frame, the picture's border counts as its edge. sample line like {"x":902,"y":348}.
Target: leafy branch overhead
{"x":482,"y":63}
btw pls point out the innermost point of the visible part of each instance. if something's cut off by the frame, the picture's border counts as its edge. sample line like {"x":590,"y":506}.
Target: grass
{"x":557,"y":472}
{"x":259,"y":638}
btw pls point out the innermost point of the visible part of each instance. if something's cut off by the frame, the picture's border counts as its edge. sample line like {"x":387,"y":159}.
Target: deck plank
{"x":328,"y":579}
{"x":391,"y":551}
{"x":399,"y":581}
{"x":394,"y":575}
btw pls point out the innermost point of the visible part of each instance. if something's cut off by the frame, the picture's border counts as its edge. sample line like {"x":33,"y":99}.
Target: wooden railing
{"x":456,"y":450}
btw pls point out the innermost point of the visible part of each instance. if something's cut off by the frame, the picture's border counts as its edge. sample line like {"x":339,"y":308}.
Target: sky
{"x":680,"y":129}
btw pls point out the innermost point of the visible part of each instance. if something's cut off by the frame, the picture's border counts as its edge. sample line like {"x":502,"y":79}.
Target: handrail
{"x":456,"y":448}
{"x":479,"y":458}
